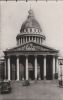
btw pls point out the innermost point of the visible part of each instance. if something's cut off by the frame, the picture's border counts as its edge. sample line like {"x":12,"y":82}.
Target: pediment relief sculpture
{"x":32,"y":47}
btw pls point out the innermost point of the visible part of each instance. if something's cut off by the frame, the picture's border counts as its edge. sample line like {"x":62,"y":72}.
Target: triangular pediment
{"x":31,"y":46}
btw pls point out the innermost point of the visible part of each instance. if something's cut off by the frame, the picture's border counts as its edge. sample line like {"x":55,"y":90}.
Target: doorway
{"x":31,"y":67}
{"x":31,"y":74}
{"x":49,"y":71}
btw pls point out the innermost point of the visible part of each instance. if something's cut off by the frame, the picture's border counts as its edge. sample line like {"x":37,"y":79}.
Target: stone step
{"x":33,"y":82}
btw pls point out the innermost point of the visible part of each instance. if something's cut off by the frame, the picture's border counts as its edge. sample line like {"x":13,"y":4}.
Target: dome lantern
{"x":31,"y":14}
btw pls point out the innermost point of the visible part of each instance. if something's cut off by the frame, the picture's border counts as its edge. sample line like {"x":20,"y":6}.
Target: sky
{"x":48,"y":14}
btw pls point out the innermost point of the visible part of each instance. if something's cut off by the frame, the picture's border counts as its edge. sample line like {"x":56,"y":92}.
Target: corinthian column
{"x":53,"y":66}
{"x":36,"y":67}
{"x":26,"y":67}
{"x":8,"y":68}
{"x":17,"y":68}
{"x":44,"y":67}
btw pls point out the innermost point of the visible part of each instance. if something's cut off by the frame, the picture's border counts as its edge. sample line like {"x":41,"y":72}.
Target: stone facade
{"x":31,"y":59}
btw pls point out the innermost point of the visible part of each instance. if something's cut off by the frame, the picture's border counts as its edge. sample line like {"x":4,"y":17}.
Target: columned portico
{"x":36,"y":67}
{"x":26,"y":67}
{"x":9,"y":68}
{"x":44,"y":66}
{"x":17,"y":68}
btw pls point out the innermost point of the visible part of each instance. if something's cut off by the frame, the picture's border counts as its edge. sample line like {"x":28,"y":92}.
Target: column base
{"x":27,"y":80}
{"x":35,"y":80}
{"x":44,"y":77}
{"x":17,"y":80}
{"x":56,"y":76}
{"x":53,"y":76}
{"x":9,"y":79}
{"x":22,"y":79}
{"x":39,"y":78}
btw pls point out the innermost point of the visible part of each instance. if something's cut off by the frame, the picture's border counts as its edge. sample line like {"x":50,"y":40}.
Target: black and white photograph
{"x":31,"y":50}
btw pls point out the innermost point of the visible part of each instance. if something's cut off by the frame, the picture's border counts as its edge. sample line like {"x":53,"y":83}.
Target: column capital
{"x":5,"y":57}
{"x":17,"y":56}
{"x":26,"y":55}
{"x":35,"y":55}
{"x":54,"y":56}
{"x":8,"y":57}
{"x":44,"y":55}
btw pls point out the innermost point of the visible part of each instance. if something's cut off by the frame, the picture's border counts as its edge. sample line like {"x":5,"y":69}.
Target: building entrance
{"x":49,"y":68}
{"x":13,"y":69}
{"x":31,"y":67}
{"x":31,"y":74}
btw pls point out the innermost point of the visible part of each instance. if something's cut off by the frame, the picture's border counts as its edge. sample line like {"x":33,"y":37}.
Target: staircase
{"x":20,"y":83}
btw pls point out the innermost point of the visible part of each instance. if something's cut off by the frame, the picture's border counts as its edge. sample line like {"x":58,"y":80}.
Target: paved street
{"x":42,"y":90}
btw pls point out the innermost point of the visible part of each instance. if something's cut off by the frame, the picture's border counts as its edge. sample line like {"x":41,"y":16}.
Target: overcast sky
{"x":49,"y":15}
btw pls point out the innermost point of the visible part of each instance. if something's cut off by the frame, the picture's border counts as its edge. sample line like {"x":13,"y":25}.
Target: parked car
{"x":60,"y":81}
{"x":5,"y":86}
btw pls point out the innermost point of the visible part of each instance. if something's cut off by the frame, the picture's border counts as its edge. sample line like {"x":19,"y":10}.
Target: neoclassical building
{"x":31,"y":59}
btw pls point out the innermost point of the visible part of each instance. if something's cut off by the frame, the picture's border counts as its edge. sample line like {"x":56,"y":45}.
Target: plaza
{"x":42,"y":90}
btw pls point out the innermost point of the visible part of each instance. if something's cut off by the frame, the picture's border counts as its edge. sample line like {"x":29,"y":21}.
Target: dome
{"x":30,"y":31}
{"x":31,"y":22}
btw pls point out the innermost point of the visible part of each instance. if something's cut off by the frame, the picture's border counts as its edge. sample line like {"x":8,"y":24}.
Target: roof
{"x":32,"y":46}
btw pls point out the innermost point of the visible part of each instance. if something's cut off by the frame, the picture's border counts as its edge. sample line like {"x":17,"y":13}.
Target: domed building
{"x":31,"y":59}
